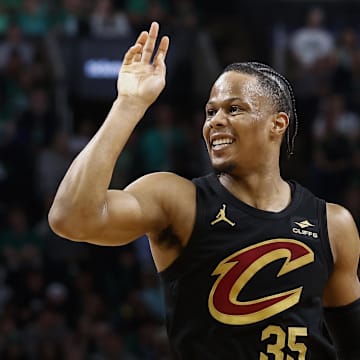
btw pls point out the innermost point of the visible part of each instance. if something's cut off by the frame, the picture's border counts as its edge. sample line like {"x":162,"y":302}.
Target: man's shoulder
{"x":162,"y":186}
{"x":164,"y":178}
{"x":301,"y":189}
{"x":338,"y":215}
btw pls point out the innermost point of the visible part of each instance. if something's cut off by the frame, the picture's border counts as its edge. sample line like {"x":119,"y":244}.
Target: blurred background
{"x":58,"y":65}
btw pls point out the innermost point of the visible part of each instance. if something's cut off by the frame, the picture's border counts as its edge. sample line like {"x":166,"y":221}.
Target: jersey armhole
{"x":179,"y":265}
{"x":325,"y":240}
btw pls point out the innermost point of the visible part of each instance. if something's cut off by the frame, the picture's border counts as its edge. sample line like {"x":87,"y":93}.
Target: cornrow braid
{"x":281,"y":91}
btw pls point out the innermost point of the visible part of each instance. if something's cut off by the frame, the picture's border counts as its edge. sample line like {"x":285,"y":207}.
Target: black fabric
{"x":344,"y":326}
{"x":223,"y":292}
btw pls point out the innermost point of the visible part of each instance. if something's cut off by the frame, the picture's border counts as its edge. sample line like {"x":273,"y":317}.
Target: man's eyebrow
{"x":235,"y":98}
{"x":243,"y":102}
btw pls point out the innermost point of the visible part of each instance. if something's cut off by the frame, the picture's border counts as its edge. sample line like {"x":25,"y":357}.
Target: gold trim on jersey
{"x":264,"y":253}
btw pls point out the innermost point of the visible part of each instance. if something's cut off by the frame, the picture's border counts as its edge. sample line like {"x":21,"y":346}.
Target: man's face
{"x":236,"y":129}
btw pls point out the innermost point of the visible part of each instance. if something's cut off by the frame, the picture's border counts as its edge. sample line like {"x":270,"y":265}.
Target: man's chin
{"x":224,"y":168}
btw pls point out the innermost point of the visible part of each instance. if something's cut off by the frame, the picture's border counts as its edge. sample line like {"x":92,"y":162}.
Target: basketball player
{"x":252,"y":266}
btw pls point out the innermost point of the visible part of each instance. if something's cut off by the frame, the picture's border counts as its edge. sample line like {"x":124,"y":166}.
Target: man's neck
{"x":268,"y":192}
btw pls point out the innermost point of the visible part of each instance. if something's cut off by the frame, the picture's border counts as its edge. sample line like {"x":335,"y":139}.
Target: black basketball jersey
{"x":249,"y":283}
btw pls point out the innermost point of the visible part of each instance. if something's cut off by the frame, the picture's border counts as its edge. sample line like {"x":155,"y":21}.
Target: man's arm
{"x":343,"y":286}
{"x":342,"y":292}
{"x":84,"y":209}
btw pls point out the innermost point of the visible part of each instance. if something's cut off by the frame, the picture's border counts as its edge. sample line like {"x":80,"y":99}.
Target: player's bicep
{"x":127,"y":215}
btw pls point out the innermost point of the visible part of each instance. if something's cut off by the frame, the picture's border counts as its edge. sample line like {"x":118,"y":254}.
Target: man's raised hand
{"x":142,"y":74}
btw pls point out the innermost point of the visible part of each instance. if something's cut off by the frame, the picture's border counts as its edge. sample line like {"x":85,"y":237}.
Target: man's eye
{"x":234,"y":108}
{"x":210,"y":113}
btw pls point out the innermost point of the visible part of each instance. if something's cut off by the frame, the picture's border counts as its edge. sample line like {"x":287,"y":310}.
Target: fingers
{"x":149,"y":45}
{"x":143,"y":49}
{"x":134,"y":53}
{"x":162,"y":50}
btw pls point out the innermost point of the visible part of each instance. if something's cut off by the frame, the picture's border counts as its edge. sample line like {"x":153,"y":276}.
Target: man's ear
{"x":280,"y":122}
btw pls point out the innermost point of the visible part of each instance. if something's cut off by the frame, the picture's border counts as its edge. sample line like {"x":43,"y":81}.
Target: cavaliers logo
{"x":238,"y":269}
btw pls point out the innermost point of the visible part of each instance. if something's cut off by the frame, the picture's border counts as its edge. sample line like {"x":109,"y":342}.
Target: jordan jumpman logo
{"x":222,"y":217}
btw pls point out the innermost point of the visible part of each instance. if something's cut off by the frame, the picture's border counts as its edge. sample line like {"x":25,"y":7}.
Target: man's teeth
{"x":222,"y":142}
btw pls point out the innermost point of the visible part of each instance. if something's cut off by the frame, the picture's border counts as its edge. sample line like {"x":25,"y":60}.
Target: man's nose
{"x":218,"y":120}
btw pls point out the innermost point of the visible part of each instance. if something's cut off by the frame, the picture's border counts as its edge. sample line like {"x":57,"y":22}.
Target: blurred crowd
{"x":323,"y":64}
{"x":66,"y":300}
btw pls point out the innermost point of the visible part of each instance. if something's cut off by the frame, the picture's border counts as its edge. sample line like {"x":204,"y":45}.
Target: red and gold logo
{"x":238,"y":269}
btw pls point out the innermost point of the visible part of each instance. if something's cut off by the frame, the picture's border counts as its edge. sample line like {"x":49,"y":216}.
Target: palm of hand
{"x":142,"y":75}
{"x":144,"y":81}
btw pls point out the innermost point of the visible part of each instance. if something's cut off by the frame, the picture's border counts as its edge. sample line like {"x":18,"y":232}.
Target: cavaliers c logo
{"x":236,"y":271}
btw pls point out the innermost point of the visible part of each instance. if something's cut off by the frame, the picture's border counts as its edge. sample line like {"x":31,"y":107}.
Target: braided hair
{"x":281,"y":92}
